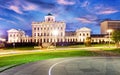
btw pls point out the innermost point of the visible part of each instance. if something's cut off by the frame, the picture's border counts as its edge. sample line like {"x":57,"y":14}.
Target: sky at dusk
{"x":19,"y":14}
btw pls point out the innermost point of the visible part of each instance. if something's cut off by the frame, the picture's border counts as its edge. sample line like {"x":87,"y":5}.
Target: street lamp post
{"x":55,"y":33}
{"x":13,"y":44}
{"x":109,"y":31}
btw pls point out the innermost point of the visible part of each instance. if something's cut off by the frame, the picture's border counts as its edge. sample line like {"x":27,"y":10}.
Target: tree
{"x":116,"y":37}
{"x":88,"y":41}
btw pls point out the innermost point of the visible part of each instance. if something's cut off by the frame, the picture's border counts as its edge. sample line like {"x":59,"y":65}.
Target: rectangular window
{"x":38,"y":34}
{"x":34,"y":28}
{"x":38,"y":28}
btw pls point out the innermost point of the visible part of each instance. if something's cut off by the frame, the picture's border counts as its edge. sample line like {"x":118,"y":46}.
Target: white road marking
{"x":50,"y":69}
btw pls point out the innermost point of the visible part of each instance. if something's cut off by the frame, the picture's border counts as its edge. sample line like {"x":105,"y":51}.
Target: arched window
{"x":44,"y":28}
{"x":34,"y":28}
{"x":80,"y":34}
{"x":38,"y":28}
{"x":83,"y":34}
{"x":44,"y":34}
{"x":38,"y":34}
{"x":41,"y":34}
{"x":48,"y":19}
{"x":87,"y":34}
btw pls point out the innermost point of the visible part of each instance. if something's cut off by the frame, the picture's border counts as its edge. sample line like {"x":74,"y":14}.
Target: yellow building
{"x":110,"y":24}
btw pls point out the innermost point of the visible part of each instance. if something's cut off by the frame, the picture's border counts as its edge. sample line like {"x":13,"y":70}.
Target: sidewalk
{"x":13,"y":52}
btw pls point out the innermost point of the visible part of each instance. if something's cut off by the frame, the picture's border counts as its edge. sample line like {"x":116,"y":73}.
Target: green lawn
{"x":103,"y":45}
{"x":71,"y":46}
{"x":25,"y":58}
{"x":114,"y":50}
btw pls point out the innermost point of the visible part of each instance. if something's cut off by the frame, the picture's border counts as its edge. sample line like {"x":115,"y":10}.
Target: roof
{"x":69,"y":33}
{"x":84,"y":29}
{"x":98,"y":35}
{"x":12,"y":30}
{"x":15,"y":30}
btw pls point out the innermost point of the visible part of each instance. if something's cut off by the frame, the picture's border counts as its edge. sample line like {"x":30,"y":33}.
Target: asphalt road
{"x":69,"y":66}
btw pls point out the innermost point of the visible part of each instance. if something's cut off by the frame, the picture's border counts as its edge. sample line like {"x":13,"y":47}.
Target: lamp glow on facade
{"x":55,"y":32}
{"x":109,"y":30}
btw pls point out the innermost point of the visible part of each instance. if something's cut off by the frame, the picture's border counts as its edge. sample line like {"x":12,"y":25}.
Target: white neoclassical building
{"x":44,"y":31}
{"x":49,"y":31}
{"x":15,"y":35}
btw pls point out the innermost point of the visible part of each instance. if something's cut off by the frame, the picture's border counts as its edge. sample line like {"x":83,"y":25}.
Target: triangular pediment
{"x":84,"y":29}
{"x":12,"y":30}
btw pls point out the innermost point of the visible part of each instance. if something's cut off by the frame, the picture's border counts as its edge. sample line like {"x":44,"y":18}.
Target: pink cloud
{"x":65,"y":2}
{"x":15,"y":8}
{"x":84,"y":20}
{"x":29,"y":6}
{"x":108,"y":11}
{"x":102,"y":9}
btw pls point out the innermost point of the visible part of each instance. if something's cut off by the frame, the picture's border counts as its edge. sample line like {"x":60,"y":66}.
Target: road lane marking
{"x":50,"y":69}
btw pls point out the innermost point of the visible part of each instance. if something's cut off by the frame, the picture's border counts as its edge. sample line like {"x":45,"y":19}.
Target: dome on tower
{"x":49,"y":17}
{"x":49,"y":14}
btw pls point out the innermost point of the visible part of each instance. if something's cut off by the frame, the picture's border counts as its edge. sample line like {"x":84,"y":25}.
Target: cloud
{"x":87,"y":19}
{"x":15,"y":9}
{"x":19,"y":18}
{"x":65,"y":2}
{"x":84,"y":20}
{"x":8,"y":21}
{"x":104,"y":10}
{"x":29,"y":6}
{"x":107,"y":11}
{"x":21,"y":6}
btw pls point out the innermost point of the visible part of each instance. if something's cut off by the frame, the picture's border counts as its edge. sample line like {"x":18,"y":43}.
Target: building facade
{"x":44,"y":31}
{"x":110,"y":24}
{"x":50,"y":31}
{"x":15,"y":35}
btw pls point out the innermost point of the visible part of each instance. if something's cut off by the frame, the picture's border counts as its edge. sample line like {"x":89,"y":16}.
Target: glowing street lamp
{"x":55,"y":33}
{"x":109,"y":31}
